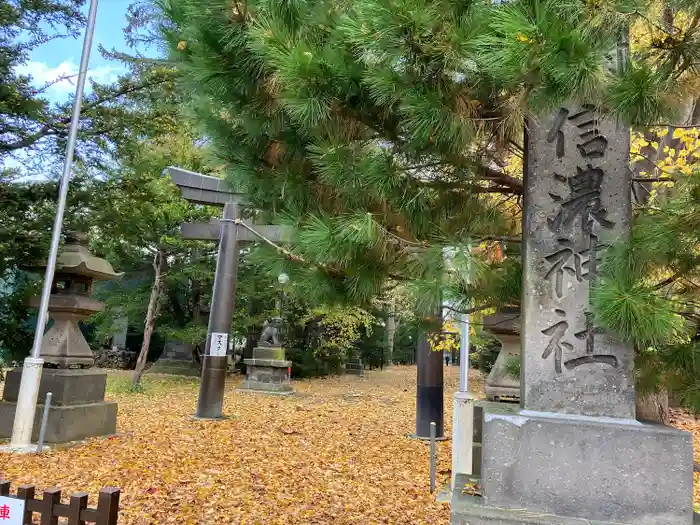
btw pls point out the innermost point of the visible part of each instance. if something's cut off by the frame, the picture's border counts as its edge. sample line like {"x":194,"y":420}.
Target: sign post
{"x":204,"y":189}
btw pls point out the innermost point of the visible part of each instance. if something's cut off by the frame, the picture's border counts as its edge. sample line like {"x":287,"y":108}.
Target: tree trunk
{"x":653,"y":407}
{"x":151,"y":315}
{"x":390,"y":333}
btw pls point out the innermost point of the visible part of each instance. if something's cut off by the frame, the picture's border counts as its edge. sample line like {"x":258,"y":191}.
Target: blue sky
{"x":62,"y":57}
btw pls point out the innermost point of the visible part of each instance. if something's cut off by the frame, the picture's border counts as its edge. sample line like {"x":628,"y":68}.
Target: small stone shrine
{"x":78,"y":409}
{"x":268,"y":370}
{"x":574,"y":453}
{"x":505,"y":326}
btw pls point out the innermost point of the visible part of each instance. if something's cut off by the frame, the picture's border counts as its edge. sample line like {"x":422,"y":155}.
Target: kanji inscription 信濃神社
{"x":577,"y":203}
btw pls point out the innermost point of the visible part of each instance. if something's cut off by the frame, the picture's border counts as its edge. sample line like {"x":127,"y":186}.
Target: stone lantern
{"x":63,"y":345}
{"x":78,"y":409}
{"x":505,"y":326}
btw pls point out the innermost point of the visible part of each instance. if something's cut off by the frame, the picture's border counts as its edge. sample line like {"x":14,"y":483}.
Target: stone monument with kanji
{"x":574,"y":453}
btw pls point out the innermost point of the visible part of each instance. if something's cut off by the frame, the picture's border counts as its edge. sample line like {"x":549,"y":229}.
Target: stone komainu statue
{"x":270,"y":335}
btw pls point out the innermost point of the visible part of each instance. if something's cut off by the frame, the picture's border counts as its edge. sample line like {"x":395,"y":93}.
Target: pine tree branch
{"x":29,"y":140}
{"x":500,"y":239}
{"x":677,"y":126}
{"x":469,"y":310}
{"x":668,"y":281}
{"x":491,"y":175}
{"x":653,"y":162}
{"x":284,"y":252}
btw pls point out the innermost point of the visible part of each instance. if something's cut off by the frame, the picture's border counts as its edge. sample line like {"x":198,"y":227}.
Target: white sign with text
{"x":11,"y":511}
{"x":219,"y":344}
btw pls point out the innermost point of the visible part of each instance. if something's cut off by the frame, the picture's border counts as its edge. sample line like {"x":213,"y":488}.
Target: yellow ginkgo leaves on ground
{"x":334,"y":453}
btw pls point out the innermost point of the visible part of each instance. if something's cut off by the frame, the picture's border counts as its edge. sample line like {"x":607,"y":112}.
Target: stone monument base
{"x":178,"y":367}
{"x":65,"y":423}
{"x":78,"y":409}
{"x":548,"y":469}
{"x":471,"y":510}
{"x":354,"y":367}
{"x":177,"y":359}
{"x":268,"y":372}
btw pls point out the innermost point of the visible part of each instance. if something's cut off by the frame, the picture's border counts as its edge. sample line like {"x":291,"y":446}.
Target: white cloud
{"x":64,"y":76}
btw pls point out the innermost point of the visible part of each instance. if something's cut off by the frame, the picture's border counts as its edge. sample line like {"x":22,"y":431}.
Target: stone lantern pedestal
{"x":78,"y":409}
{"x":499,"y":384}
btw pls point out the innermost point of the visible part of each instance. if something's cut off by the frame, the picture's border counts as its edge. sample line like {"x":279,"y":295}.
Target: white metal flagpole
{"x":31,"y":372}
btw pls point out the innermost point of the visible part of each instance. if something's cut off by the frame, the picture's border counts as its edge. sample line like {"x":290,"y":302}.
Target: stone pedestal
{"x":354,"y":367}
{"x":63,"y":345}
{"x":177,"y":359}
{"x":268,"y":371}
{"x":620,"y":471}
{"x":78,"y":409}
{"x":499,"y":384}
{"x":553,"y":469}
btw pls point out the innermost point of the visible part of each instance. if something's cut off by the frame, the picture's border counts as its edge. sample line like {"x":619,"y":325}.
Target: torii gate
{"x":229,"y":231}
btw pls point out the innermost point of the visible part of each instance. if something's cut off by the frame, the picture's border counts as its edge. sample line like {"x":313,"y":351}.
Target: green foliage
{"x":16,"y":336}
{"x":512,"y":367}
{"x":337,"y":329}
{"x":647,"y":294}
{"x":23,"y":27}
{"x":373,"y":185}
{"x":33,"y":130}
{"x":384,"y":130}
{"x":28,"y":210}
{"x":548,"y":50}
{"x":484,"y":357}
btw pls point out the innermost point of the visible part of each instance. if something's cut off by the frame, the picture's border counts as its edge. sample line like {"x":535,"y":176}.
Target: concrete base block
{"x":65,"y":423}
{"x":68,"y":387}
{"x":610,"y":470}
{"x":479,"y":406}
{"x":467,"y":509}
{"x":470,"y":510}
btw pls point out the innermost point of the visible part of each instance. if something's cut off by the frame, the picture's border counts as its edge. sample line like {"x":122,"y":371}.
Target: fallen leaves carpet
{"x":334,"y":453}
